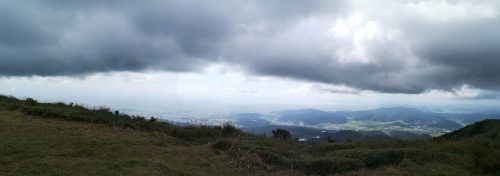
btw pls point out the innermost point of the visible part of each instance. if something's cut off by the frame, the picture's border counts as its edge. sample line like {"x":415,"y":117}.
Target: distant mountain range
{"x":311,"y":117}
{"x":398,"y":122}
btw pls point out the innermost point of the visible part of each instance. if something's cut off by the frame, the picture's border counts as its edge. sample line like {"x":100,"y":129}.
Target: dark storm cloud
{"x":79,"y":37}
{"x":394,"y":47}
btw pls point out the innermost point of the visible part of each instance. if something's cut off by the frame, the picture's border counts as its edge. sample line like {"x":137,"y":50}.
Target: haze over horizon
{"x":253,"y":56}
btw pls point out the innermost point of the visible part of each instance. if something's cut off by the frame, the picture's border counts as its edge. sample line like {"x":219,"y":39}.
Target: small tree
{"x":229,"y":129}
{"x":282,"y":134}
{"x":153,"y":119}
{"x":331,"y":140}
{"x":31,"y":101}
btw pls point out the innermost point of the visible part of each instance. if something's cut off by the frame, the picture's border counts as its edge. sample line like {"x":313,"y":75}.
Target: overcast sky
{"x":341,"y":54}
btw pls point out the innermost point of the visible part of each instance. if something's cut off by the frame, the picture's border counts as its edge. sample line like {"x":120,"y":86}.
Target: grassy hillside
{"x":60,"y":139}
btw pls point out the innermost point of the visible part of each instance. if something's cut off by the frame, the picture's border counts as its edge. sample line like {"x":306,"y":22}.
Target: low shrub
{"x":153,"y":119}
{"x":8,"y":99}
{"x":9,"y":107}
{"x":325,"y":166}
{"x":327,"y":148}
{"x":281,"y":134}
{"x":103,"y":109}
{"x":222,"y":145}
{"x":31,"y":101}
{"x":379,"y":157}
{"x":43,"y":112}
{"x":194,"y":133}
{"x":274,"y":158}
{"x":228,"y":129}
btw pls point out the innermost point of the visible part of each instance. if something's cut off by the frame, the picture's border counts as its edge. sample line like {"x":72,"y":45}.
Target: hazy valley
{"x":316,"y":125}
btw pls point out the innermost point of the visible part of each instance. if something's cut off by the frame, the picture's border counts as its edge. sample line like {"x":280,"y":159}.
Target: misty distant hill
{"x":311,"y":117}
{"x":392,"y":114}
{"x":401,"y":116}
{"x":250,"y":120}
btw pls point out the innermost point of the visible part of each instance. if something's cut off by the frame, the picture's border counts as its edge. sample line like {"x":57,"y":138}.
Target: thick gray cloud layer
{"x":385,"y":46}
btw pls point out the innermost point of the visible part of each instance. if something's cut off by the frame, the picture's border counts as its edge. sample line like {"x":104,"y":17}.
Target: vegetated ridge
{"x":68,"y":139}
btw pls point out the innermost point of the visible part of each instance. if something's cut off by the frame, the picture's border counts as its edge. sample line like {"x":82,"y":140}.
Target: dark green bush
{"x":228,"y":129}
{"x":43,"y":112}
{"x":60,"y":104}
{"x":281,"y":134}
{"x":327,"y":148}
{"x":103,"y":109}
{"x":379,"y":157}
{"x":384,"y":158}
{"x":31,"y":101}
{"x":8,"y":99}
{"x":194,"y":133}
{"x":325,"y":166}
{"x":9,"y":107}
{"x":153,"y":119}
{"x":223,"y":145}
{"x":274,"y":158}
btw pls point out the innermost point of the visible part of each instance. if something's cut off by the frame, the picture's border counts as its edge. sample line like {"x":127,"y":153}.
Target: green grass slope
{"x":482,"y":129}
{"x":60,"y":139}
